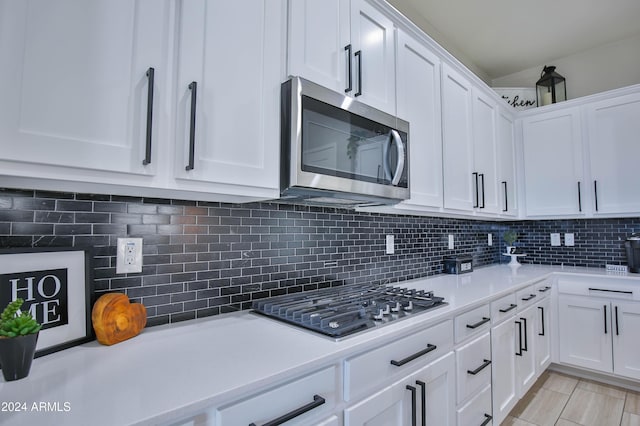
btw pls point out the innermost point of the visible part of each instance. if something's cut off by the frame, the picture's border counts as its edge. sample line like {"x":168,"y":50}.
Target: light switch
{"x":555,"y":239}
{"x":569,"y":240}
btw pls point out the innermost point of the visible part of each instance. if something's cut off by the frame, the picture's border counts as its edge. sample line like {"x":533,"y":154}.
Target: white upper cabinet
{"x":418,"y":71}
{"x":457,"y":141}
{"x":484,"y":153}
{"x":507,"y":200}
{"x":78,"y":90}
{"x":553,"y":164}
{"x":345,"y":45}
{"x":320,"y":34}
{"x":230,"y":66}
{"x":614,"y":150}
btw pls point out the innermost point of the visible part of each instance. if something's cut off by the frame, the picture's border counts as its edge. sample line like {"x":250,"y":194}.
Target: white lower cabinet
{"x":504,"y":391}
{"x":478,"y":410}
{"x":542,"y":334}
{"x":308,"y":400}
{"x":600,"y":334}
{"x":525,"y":350}
{"x":428,"y":393}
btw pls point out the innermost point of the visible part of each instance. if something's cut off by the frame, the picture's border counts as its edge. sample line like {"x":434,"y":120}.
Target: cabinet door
{"x":553,"y":175}
{"x":419,"y":103}
{"x":232,"y":52}
{"x":542,"y":335}
{"x":613,"y":154}
{"x":318,"y":40}
{"x":585,"y":332}
{"x":457,"y":141}
{"x":393,"y":405}
{"x":373,"y":59}
{"x":626,"y":339}
{"x":525,"y":350}
{"x":503,"y":359}
{"x":507,"y":201}
{"x":74,"y":84}
{"x":484,"y":150}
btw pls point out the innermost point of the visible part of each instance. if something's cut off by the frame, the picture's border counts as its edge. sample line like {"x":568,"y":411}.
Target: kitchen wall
{"x":203,"y":259}
{"x":597,"y":241}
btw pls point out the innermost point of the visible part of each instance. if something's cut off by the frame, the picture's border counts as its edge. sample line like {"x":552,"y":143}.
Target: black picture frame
{"x":29,"y":271}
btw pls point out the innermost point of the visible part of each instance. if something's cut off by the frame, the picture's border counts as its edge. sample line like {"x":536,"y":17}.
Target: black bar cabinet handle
{"x":524,"y":326}
{"x":541,"y":320}
{"x":487,"y":419}
{"x":544,"y":289}
{"x":423,"y":386}
{"x":482,"y":176}
{"x":359,"y":55}
{"x":485,"y":363}
{"x":506,"y":202}
{"x":317,"y":401}
{"x":610,"y":291}
{"x":617,"y":327}
{"x":349,"y":88}
{"x":479,"y":323}
{"x":475,"y":177}
{"x":531,"y":296}
{"x":410,"y":358}
{"x":605,"y":319}
{"x":511,"y":307}
{"x":579,"y":198}
{"x":413,"y":404}
{"x":192,"y":126}
{"x":595,"y":192}
{"x":519,"y":353}
{"x":147,"y":151}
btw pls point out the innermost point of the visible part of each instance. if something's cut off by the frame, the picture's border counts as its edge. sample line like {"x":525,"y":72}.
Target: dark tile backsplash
{"x":202,"y":259}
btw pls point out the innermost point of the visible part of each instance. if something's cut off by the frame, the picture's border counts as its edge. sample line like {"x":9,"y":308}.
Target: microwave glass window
{"x":336,"y":142}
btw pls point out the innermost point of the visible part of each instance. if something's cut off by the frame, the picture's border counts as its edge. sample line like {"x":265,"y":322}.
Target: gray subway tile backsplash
{"x":203,"y":259}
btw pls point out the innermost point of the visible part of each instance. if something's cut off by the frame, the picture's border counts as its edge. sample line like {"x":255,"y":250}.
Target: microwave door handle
{"x":400,"y":150}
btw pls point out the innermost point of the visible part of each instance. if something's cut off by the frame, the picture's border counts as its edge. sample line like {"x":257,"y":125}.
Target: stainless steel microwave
{"x":336,"y":150}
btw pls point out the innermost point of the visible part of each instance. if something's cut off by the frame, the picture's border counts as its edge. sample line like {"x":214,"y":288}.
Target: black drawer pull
{"x":423,"y":386}
{"x":147,"y":149}
{"x":519,"y":353}
{"x":479,"y":323}
{"x":317,"y":401}
{"x":544,"y":289}
{"x":479,"y":369}
{"x":410,"y":358}
{"x":511,"y":306}
{"x":413,"y":404}
{"x":487,"y":419}
{"x":610,"y":291}
{"x":531,"y":296}
{"x":192,"y":125}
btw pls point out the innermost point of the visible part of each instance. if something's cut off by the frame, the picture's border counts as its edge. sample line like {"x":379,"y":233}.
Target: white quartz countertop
{"x":169,"y":372}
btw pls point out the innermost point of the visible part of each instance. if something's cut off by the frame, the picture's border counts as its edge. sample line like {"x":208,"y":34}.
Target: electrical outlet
{"x":555,"y":239}
{"x":129,"y":255}
{"x":451,"y":243}
{"x":489,"y":239}
{"x":390,"y":245}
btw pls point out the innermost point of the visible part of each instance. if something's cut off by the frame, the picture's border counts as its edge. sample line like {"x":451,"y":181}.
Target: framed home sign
{"x":57,"y":287}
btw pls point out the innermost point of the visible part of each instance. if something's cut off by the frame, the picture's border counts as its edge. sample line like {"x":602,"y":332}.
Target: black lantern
{"x":551,"y":87}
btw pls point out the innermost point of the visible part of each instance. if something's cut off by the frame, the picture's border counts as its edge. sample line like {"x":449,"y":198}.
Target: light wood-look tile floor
{"x":557,"y":399}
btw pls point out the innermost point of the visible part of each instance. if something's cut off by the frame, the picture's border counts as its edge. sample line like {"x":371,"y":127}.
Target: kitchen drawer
{"x":503,"y":308}
{"x":542,"y":288}
{"x":616,"y":288}
{"x":473,"y":363}
{"x":527,"y":297}
{"x":274,"y":403}
{"x":478,"y":410}
{"x":364,"y":373}
{"x":472,"y":322}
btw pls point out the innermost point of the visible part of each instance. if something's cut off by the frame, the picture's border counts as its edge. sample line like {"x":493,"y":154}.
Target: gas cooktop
{"x":342,"y":311}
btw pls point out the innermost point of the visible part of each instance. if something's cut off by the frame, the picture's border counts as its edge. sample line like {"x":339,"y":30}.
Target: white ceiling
{"x":501,"y":37}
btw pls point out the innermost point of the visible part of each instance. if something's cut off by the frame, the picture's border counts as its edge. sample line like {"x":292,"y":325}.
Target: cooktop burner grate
{"x":341,"y":311}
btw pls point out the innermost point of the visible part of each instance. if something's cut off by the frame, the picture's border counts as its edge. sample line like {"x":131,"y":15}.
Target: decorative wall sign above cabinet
{"x":520,"y":98}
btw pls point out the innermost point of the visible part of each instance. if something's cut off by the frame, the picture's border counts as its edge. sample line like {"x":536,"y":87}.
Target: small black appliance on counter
{"x":633,"y":252}
{"x":457,"y":264}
